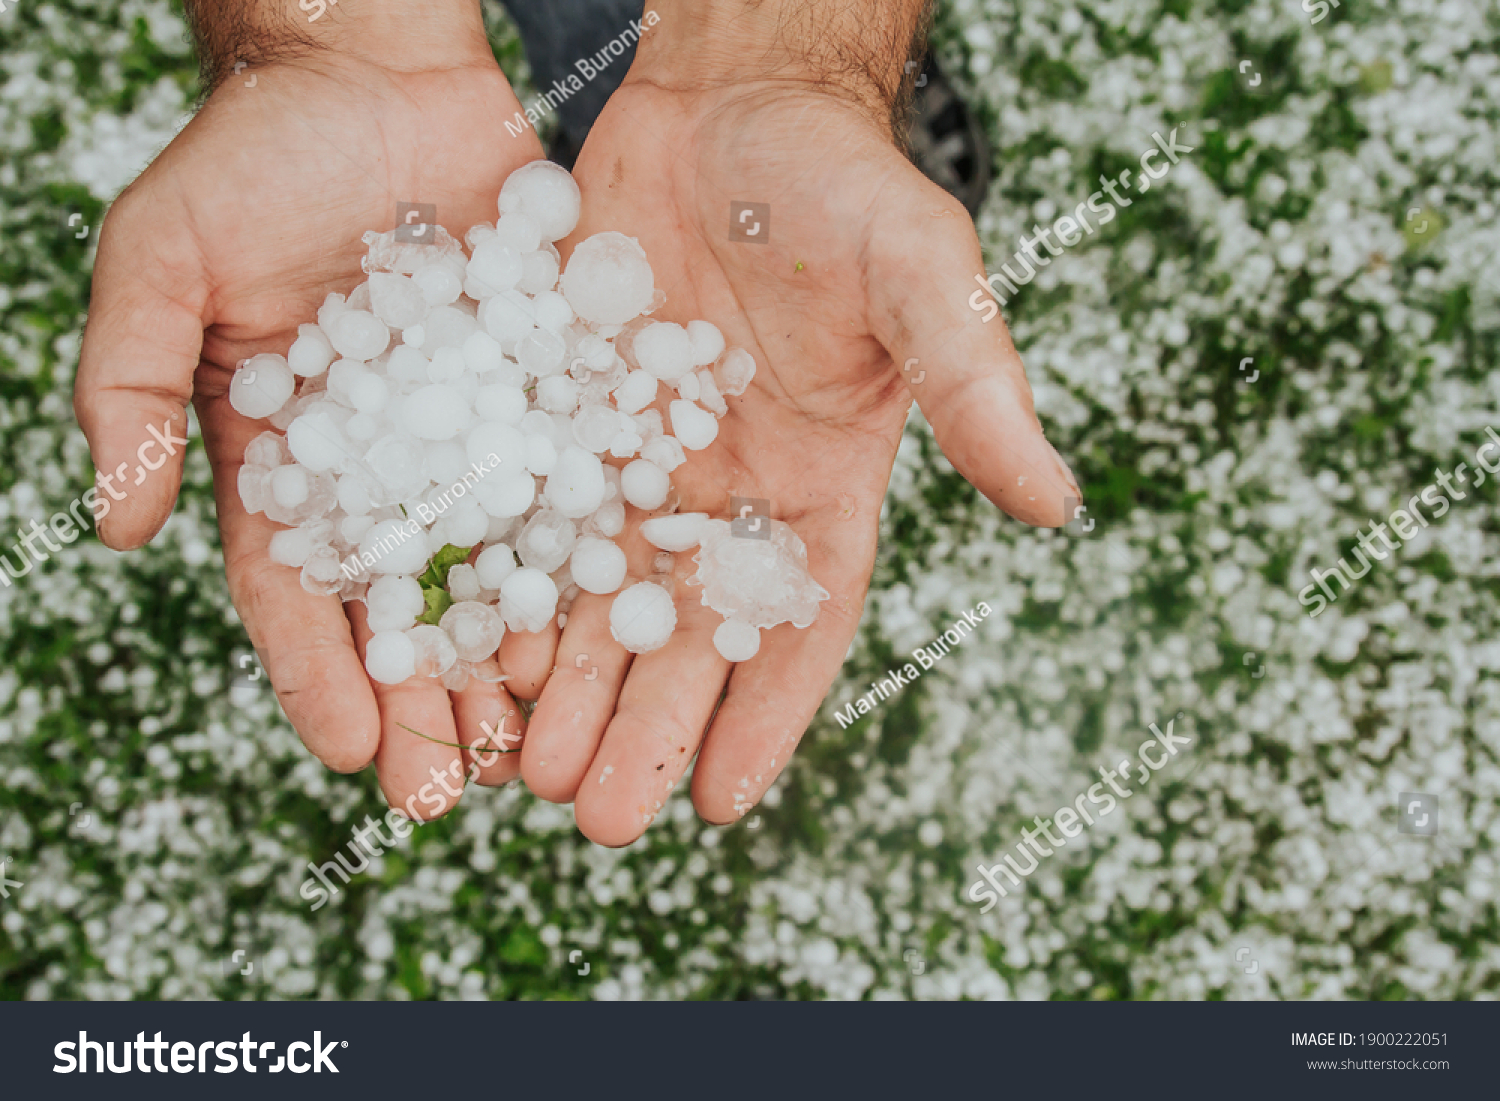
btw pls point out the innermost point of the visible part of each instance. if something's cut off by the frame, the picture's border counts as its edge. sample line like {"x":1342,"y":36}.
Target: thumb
{"x":957,"y":358}
{"x":135,"y":374}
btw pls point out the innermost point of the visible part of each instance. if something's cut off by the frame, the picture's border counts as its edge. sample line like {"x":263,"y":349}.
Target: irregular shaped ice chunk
{"x":763,"y":582}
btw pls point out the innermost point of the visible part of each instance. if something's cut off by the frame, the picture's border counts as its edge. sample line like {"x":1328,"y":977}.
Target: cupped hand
{"x":228,"y":241}
{"x":855,"y":302}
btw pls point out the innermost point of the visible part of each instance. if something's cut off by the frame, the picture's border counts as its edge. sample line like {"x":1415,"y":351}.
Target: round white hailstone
{"x":340,"y":375}
{"x":642,"y":618}
{"x":736,"y":640}
{"x":497,"y":449}
{"x":435,"y":412}
{"x":734,"y":371}
{"x":494,"y":565}
{"x":494,"y":266}
{"x":395,"y":546}
{"x":447,"y":366}
{"x":665,"y":350}
{"x":440,"y":283}
{"x":352,"y":528}
{"x":354,"y":496}
{"x":528,"y":600}
{"x":552,"y":311}
{"x":557,"y":394}
{"x":465,"y":523}
{"x":359,"y":334}
{"x":609,"y":518}
{"x":476,"y":629}
{"x":547,"y":541}
{"x":432,"y":649}
{"x":608,"y":280}
{"x":390,"y":657}
{"x":687,"y":387}
{"x":518,"y":232}
{"x":547,"y":193}
{"x":598,"y":566}
{"x":290,"y":486}
{"x":407,"y":364}
{"x":709,"y":396}
{"x":595,"y":428}
{"x":541,"y":455}
{"x":415,"y":336}
{"x":444,"y":462}
{"x":665,"y":452}
{"x":541,"y":352}
{"x":645,"y":484}
{"x":261,"y":386}
{"x":538,"y":272}
{"x":676,"y":533}
{"x":447,"y":327}
{"x":292,"y":547}
{"x":482,"y":352}
{"x":507,"y":317}
{"x":708,"y":342}
{"x":269,"y":449}
{"x":636,"y":392}
{"x":368,"y":392}
{"x":361,"y":426}
{"x":310,"y":353}
{"x":397,"y":463}
{"x":500,"y":403}
{"x":316,"y":441}
{"x":463,"y":584}
{"x":504,"y":496}
{"x":396,"y":300}
{"x":394,"y":602}
{"x":576,"y":485}
{"x":695,"y":428}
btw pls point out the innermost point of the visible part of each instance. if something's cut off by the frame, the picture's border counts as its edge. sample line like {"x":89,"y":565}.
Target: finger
{"x":577,"y":704}
{"x":527,"y":657}
{"x":751,"y":742}
{"x":664,"y":705}
{"x":419,"y":764}
{"x":135,"y":371}
{"x":309,"y":651}
{"x":491,"y":726}
{"x":964,"y":373}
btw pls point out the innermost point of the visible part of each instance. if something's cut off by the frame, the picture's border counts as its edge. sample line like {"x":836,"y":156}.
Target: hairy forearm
{"x":857,"y":48}
{"x":405,"y":35}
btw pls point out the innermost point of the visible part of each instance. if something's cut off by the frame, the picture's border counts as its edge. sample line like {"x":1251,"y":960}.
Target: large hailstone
{"x":762,"y":582}
{"x":546,"y":193}
{"x":608,"y":280}
{"x":642,"y":618}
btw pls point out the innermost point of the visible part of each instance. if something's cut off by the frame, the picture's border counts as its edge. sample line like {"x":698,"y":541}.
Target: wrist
{"x":858,"y":51}
{"x":448,"y":34}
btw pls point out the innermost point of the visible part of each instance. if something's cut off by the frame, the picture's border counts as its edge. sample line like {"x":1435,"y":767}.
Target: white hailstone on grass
{"x":528,"y":600}
{"x":390,"y":657}
{"x":474,"y":628}
{"x":694,"y":427}
{"x":608,"y":280}
{"x":261,"y":386}
{"x":311,"y":353}
{"x":642,"y":618}
{"x":393,"y":602}
{"x":597,"y":565}
{"x":545,"y":192}
{"x":664,"y":350}
{"x":736,"y":640}
{"x":645,"y":484}
{"x":708,"y":342}
{"x":734,"y":372}
{"x":394,"y":547}
{"x":494,"y":565}
{"x":679,"y":532}
{"x":432,"y":650}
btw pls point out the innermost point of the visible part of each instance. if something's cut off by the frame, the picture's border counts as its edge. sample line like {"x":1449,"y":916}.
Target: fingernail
{"x":1066,"y":471}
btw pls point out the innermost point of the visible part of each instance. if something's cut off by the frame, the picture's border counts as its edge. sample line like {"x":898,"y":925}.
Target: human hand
{"x":228,"y":241}
{"x":868,"y":265}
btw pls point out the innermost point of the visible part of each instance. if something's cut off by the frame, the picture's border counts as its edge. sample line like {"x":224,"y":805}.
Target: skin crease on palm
{"x":234,"y":239}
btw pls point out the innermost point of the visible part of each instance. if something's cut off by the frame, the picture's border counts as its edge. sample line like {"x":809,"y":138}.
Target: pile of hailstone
{"x":457,"y":413}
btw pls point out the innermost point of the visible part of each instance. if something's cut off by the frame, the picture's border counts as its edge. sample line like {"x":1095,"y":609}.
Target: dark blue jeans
{"x":558,"y":34}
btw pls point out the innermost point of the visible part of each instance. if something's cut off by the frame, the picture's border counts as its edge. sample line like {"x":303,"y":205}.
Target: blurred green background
{"x":1265,"y":862}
